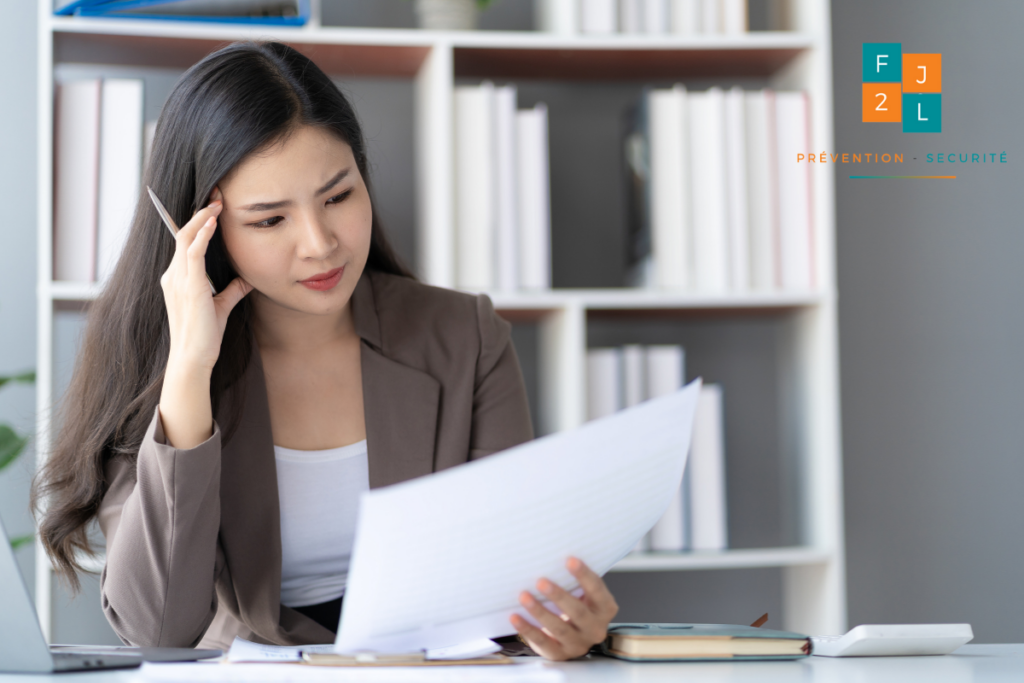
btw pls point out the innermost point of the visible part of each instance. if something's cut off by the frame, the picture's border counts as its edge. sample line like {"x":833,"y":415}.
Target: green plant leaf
{"x":19,"y":541}
{"x":28,"y":377}
{"x":11,"y":445}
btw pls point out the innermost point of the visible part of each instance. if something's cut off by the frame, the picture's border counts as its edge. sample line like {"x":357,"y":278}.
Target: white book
{"x":655,"y":16}
{"x":507,"y":199}
{"x":556,"y":16}
{"x":474,"y":186}
{"x":706,"y":466}
{"x":76,"y":180}
{"x":598,"y":17}
{"x":534,"y":198}
{"x":120,"y":168}
{"x":736,"y":190}
{"x":634,"y":375}
{"x":795,"y":239}
{"x":634,"y":391}
{"x":708,"y":189}
{"x":670,"y":185}
{"x":665,"y":369}
{"x":710,"y":16}
{"x":684,"y":17}
{"x":631,"y":16}
{"x":148,"y":135}
{"x":762,"y":190}
{"x":604,"y":382}
{"x":734,"y":16}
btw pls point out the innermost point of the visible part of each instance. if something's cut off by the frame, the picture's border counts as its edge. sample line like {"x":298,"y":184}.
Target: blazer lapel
{"x":400,"y":403}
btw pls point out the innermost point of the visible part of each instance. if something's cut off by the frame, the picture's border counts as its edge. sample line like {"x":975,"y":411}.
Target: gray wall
{"x":932,"y":326}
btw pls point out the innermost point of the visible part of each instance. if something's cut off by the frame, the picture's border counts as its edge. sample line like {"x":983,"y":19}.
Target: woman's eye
{"x":337,"y":199}
{"x":268,"y":223}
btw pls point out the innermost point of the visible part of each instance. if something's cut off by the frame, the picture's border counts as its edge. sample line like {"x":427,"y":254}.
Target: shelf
{"x":400,"y":52}
{"x":729,"y":559}
{"x":624,"y":299}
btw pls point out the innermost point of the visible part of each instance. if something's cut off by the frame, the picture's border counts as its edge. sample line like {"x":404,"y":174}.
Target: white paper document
{"x":441,"y":560}
{"x":247,"y":651}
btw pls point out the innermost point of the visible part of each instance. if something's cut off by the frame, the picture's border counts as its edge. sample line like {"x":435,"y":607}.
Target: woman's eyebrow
{"x":268,"y":206}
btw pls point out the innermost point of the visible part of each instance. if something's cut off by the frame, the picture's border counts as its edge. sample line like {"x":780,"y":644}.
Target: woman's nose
{"x":316,"y":241}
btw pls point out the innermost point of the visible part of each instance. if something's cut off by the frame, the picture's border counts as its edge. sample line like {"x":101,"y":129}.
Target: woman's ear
{"x":215,"y":195}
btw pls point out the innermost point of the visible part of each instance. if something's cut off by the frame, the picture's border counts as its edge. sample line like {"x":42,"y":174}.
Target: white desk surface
{"x":970,"y":664}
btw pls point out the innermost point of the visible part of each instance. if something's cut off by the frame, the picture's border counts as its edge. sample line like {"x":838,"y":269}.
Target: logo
{"x":901,"y":87}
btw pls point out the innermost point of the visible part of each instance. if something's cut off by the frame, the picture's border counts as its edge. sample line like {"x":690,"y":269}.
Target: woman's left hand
{"x":583,"y":622}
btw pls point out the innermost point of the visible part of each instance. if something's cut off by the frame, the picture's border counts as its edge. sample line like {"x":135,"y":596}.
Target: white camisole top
{"x":319,"y":496}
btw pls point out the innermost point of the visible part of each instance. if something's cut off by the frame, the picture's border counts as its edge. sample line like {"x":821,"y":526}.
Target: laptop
{"x":23,"y":648}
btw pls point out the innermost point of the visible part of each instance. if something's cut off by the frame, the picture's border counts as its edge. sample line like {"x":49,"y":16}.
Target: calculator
{"x":893,"y":640}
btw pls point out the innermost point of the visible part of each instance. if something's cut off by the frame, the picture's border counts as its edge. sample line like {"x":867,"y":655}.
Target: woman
{"x":212,"y":436}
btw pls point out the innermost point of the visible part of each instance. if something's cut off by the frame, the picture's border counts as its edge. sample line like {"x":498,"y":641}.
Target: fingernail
{"x":210,"y":222}
{"x":545,"y":586}
{"x":573,"y":564}
{"x":527,"y":600}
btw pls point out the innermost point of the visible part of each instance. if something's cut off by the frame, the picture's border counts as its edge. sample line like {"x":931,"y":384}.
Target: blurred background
{"x":930,"y":328}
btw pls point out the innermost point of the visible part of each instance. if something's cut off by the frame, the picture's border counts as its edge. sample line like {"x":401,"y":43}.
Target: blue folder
{"x":122,"y":9}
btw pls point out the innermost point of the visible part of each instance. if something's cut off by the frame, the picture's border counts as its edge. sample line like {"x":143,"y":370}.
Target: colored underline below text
{"x":942,"y":177}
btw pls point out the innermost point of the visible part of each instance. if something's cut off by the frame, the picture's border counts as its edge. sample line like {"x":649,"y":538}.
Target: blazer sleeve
{"x":501,"y":410}
{"x":161,"y":516}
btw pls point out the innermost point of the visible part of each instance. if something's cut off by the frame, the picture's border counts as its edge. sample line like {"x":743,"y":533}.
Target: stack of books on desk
{"x":621,"y":377}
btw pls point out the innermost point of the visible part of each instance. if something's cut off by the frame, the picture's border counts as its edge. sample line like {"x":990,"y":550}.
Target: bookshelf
{"x":812,"y":567}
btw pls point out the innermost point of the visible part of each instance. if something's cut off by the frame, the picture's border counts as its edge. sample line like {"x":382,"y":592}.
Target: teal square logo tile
{"x":922,"y":112}
{"x":883,"y":63}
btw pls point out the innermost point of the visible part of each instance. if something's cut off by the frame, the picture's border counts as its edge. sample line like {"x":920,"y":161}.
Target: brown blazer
{"x":194,"y":536}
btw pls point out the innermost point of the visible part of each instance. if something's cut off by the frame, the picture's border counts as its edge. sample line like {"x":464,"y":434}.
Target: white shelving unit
{"x":813,"y":572}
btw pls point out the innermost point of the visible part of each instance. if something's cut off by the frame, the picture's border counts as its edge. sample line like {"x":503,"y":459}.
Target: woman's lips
{"x":324,"y":281}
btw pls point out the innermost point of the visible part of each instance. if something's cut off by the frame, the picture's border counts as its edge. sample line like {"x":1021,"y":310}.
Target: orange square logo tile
{"x":882,"y":103}
{"x":922,"y":73}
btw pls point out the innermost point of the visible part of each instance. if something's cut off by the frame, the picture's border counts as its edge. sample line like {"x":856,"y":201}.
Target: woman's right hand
{"x":197,"y":320}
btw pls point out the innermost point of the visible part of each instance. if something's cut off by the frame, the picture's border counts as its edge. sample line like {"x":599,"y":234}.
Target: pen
{"x":172,"y":226}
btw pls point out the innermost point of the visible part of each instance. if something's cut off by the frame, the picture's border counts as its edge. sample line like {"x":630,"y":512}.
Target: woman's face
{"x":296,"y":221}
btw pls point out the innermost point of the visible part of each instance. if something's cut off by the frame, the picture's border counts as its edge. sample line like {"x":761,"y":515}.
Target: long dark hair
{"x":234,"y":102}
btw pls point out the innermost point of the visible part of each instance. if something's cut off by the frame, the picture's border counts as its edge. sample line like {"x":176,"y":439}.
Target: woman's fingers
{"x":569,"y":604}
{"x":542,"y":643}
{"x":595,"y":591}
{"x":232,"y":294}
{"x":555,"y":625}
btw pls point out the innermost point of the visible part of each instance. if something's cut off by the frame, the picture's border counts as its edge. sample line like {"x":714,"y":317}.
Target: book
{"x":604,"y":382}
{"x":262,"y":12}
{"x":736,"y":190}
{"x":795,"y":223}
{"x":506,"y":266}
{"x":121,"y":140}
{"x":631,"y":16}
{"x":706,"y":466}
{"x":655,"y":16}
{"x":665,"y":369}
{"x":708,"y":191}
{"x":684,"y":17}
{"x":710,"y":16}
{"x":76,"y":179}
{"x":670,"y":187}
{"x":534,"y":188}
{"x":475,"y":186}
{"x":598,"y":17}
{"x":668,"y":642}
{"x":762,"y":189}
{"x":734,"y":16}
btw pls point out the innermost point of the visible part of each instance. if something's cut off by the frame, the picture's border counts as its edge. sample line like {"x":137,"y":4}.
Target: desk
{"x":970,"y":664}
